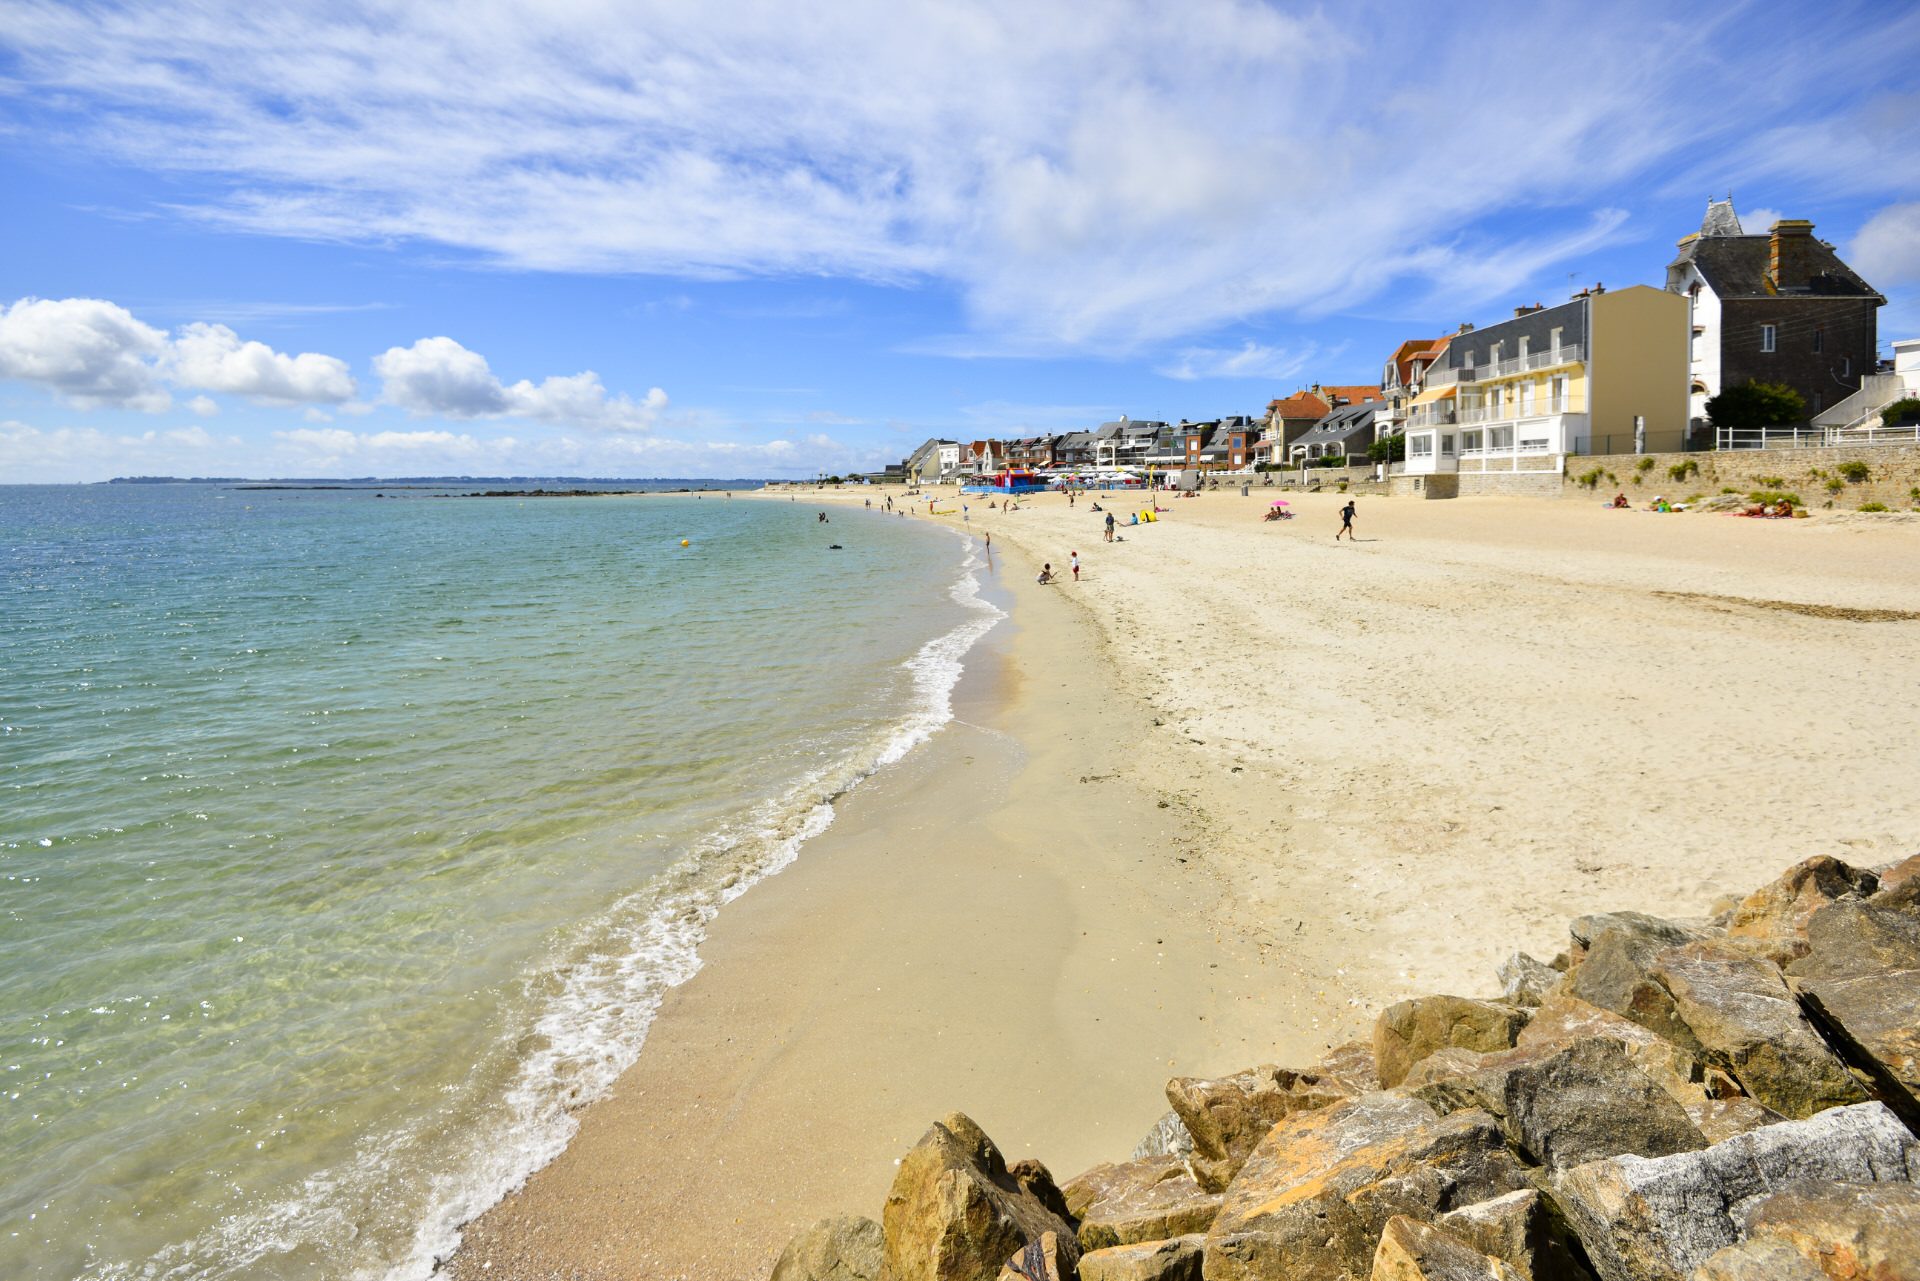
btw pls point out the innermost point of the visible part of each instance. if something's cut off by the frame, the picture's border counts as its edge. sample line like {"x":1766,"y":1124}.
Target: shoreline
{"x":1351,"y":835}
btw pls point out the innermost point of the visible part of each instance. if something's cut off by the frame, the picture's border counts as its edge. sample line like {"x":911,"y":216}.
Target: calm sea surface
{"x":346,"y":842}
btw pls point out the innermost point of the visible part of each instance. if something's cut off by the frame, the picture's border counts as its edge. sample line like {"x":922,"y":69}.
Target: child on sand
{"x":1074,"y":559}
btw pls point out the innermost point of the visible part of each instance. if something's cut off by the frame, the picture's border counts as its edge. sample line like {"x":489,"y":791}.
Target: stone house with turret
{"x":1777,"y":308}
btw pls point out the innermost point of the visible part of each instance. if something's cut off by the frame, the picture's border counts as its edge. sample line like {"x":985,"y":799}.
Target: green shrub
{"x":1728,"y":489}
{"x":1901,"y":412}
{"x":1835,"y":485}
{"x":1771,"y":482}
{"x":1645,"y":464}
{"x":1389,"y":449}
{"x":1873,"y":507}
{"x":1680,"y":471}
{"x":1757,"y":404}
{"x":1331,"y":460}
{"x":1774,"y":496}
{"x":1589,"y":479}
{"x":1855,"y":471}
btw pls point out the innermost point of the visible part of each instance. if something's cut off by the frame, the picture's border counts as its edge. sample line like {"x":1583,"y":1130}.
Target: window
{"x":1524,"y":343}
{"x":1470,"y":441}
{"x":1819,"y":339}
{"x":1846,"y":366}
{"x":1559,"y":393}
{"x":1500,"y":437}
{"x":1766,"y":338}
{"x":1420,"y":446}
{"x":1553,"y":341}
{"x":1446,"y":444}
{"x":1819,"y":402}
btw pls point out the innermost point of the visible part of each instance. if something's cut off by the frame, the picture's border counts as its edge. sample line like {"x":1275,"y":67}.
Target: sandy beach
{"x":1219,"y":802}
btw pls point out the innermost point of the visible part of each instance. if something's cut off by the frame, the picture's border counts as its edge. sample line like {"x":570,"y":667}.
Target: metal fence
{"x":1654,"y":442}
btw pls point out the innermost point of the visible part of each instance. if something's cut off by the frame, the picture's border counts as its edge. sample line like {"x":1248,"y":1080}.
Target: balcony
{"x":1431,"y":416}
{"x":1448,"y":377}
{"x":1532,"y":362}
{"x":1513,"y":411}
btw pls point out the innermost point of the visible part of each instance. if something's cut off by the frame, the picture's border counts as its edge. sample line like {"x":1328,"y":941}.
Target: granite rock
{"x":1408,"y":1031}
{"x":1177,"y":1259}
{"x":1410,"y":1250}
{"x":1524,"y":1230}
{"x":1775,"y":916}
{"x":1840,"y":1230}
{"x":956,"y":1213}
{"x":1045,"y":1258}
{"x":1228,"y":1115}
{"x":1144,"y":1200}
{"x":845,"y":1248}
{"x":1525,"y":981}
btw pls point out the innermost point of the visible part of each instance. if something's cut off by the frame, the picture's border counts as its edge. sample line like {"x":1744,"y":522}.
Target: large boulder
{"x":1524,"y":1230}
{"x":1565,"y":1019}
{"x":1317,"y":1192}
{"x":1874,"y":1022}
{"x":1642,"y":931}
{"x":1846,"y":940}
{"x":1616,"y":973}
{"x":1228,"y":1115}
{"x":1826,"y":1230}
{"x":1410,"y":1250}
{"x":1657,"y":1219}
{"x":956,"y":1213}
{"x":1774,"y":917}
{"x":1746,"y":1019}
{"x":845,"y":1248}
{"x":1145,"y":1200}
{"x":1560,"y":1105}
{"x":1408,"y":1031}
{"x":1177,"y":1259}
{"x":1351,"y":1064}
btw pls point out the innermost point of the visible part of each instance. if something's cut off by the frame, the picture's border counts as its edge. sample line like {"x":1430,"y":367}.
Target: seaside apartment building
{"x":1776,"y":308}
{"x":1604,"y":372}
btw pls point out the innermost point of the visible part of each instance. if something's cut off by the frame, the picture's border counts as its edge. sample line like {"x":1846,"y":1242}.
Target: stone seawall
{"x":1814,"y":474}
{"x":1731,"y":1098}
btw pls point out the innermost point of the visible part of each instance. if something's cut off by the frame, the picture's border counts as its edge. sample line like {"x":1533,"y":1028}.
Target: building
{"x":1402,"y":379}
{"x":1075,"y":449}
{"x":1859,"y":414}
{"x":1294,"y":417}
{"x":1344,"y":432}
{"x":1125,"y":443}
{"x":983,"y":458}
{"x":1601,"y":373}
{"x":1031,"y":452}
{"x":935,"y":460}
{"x":1775,"y":308}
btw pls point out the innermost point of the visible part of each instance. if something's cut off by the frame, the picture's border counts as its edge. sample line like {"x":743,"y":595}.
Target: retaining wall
{"x":1811,"y":473}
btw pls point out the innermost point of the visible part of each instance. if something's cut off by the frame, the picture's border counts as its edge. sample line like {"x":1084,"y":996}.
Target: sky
{"x":682,"y":238}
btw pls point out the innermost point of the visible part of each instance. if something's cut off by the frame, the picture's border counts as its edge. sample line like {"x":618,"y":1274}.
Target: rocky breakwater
{"x":1728,"y":1099}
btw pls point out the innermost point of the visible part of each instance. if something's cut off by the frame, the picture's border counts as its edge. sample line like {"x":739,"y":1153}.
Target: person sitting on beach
{"x":1273,"y":513}
{"x":1620,"y":501}
{"x":1783,"y":510}
{"x":1046,"y":574}
{"x":1098,"y":507}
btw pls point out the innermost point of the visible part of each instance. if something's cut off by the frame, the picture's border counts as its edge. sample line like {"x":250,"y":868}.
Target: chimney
{"x":1466,"y":327}
{"x":1790,"y":256}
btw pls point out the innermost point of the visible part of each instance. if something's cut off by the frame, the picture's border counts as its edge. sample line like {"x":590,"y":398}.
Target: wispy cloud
{"x":1109,"y":185}
{"x":1249,"y":360}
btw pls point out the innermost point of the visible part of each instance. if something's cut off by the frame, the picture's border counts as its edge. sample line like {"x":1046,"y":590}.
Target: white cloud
{"x":439,"y":378}
{"x":314,"y":415}
{"x":214,"y":357}
{"x":1250,"y":360}
{"x":1886,"y":253}
{"x":1760,"y":220}
{"x":34,"y":455}
{"x":90,"y":352}
{"x":1109,"y":181}
{"x":96,"y":354}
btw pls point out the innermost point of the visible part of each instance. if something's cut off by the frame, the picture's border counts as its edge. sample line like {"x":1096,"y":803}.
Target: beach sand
{"x":1319,"y":777}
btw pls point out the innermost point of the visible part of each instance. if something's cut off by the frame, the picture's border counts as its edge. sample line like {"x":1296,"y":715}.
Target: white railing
{"x":1909,"y":434}
{"x":1431,"y":416}
{"x":1448,"y":377}
{"x":1566,"y":354}
{"x":1769,"y":437}
{"x":1515,"y":411}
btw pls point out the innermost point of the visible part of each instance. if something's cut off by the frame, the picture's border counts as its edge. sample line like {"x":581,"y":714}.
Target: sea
{"x":350,"y":838}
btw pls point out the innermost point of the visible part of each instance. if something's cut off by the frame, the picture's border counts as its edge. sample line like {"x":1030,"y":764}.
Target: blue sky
{"x":680,"y":238}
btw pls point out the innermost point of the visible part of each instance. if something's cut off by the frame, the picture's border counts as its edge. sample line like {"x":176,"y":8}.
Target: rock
{"x":1564,"y":1105}
{"x":1900,"y":878}
{"x":1351,"y":1065}
{"x":1410,"y":1250}
{"x":1776,"y":915}
{"x":1718,"y":1119}
{"x":1748,"y":1021}
{"x":1168,"y":1137}
{"x":1873,"y":1021}
{"x":1616,"y":974}
{"x":1407,"y":1032}
{"x":838,"y":1249}
{"x":1037,"y":1182}
{"x":1767,"y":1260}
{"x":1045,"y":1258}
{"x":1174,"y":1260}
{"x":1525,"y":981}
{"x":1523,"y":1229}
{"x":1846,"y":940}
{"x":1851,"y":1230}
{"x":1317,"y":1192}
{"x":1642,"y":931}
{"x":956,"y":1213}
{"x":1135,"y":1201}
{"x":1657,"y":1219}
{"x":1565,"y":1019}
{"x":1228,"y":1115}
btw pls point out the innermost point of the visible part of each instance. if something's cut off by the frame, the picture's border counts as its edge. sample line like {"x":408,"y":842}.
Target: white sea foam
{"x":594,"y":1002}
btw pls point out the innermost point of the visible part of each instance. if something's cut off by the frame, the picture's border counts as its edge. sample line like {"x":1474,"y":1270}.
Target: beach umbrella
{"x":1281,"y":502}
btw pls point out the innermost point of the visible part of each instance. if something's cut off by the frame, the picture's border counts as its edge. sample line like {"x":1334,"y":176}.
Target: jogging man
{"x":1346,"y":522}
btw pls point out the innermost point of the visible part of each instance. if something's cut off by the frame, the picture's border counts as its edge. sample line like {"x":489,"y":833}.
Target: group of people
{"x":1047,"y":576}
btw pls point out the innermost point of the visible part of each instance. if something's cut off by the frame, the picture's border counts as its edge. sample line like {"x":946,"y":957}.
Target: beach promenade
{"x":1221,"y":801}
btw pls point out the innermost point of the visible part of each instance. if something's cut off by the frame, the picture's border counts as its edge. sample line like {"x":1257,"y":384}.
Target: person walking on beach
{"x":1073,"y":559}
{"x":1109,"y":526}
{"x":1346,"y":522}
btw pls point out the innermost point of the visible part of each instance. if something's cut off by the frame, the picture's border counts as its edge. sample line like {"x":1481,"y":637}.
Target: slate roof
{"x":1736,"y":267}
{"x":1343,"y":424}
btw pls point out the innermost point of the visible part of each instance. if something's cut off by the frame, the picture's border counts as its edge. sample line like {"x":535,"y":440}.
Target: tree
{"x":1901,"y":412}
{"x":1757,"y":404}
{"x":1389,"y":449}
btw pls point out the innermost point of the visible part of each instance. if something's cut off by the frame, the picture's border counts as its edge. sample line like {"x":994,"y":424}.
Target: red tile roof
{"x":1302,"y":404}
{"x":1355,"y":395}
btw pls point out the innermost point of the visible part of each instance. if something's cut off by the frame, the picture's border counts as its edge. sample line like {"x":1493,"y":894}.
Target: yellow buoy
{"x":684,"y":543}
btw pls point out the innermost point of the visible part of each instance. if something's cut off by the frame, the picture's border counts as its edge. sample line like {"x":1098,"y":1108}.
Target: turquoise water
{"x":347,"y":843}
